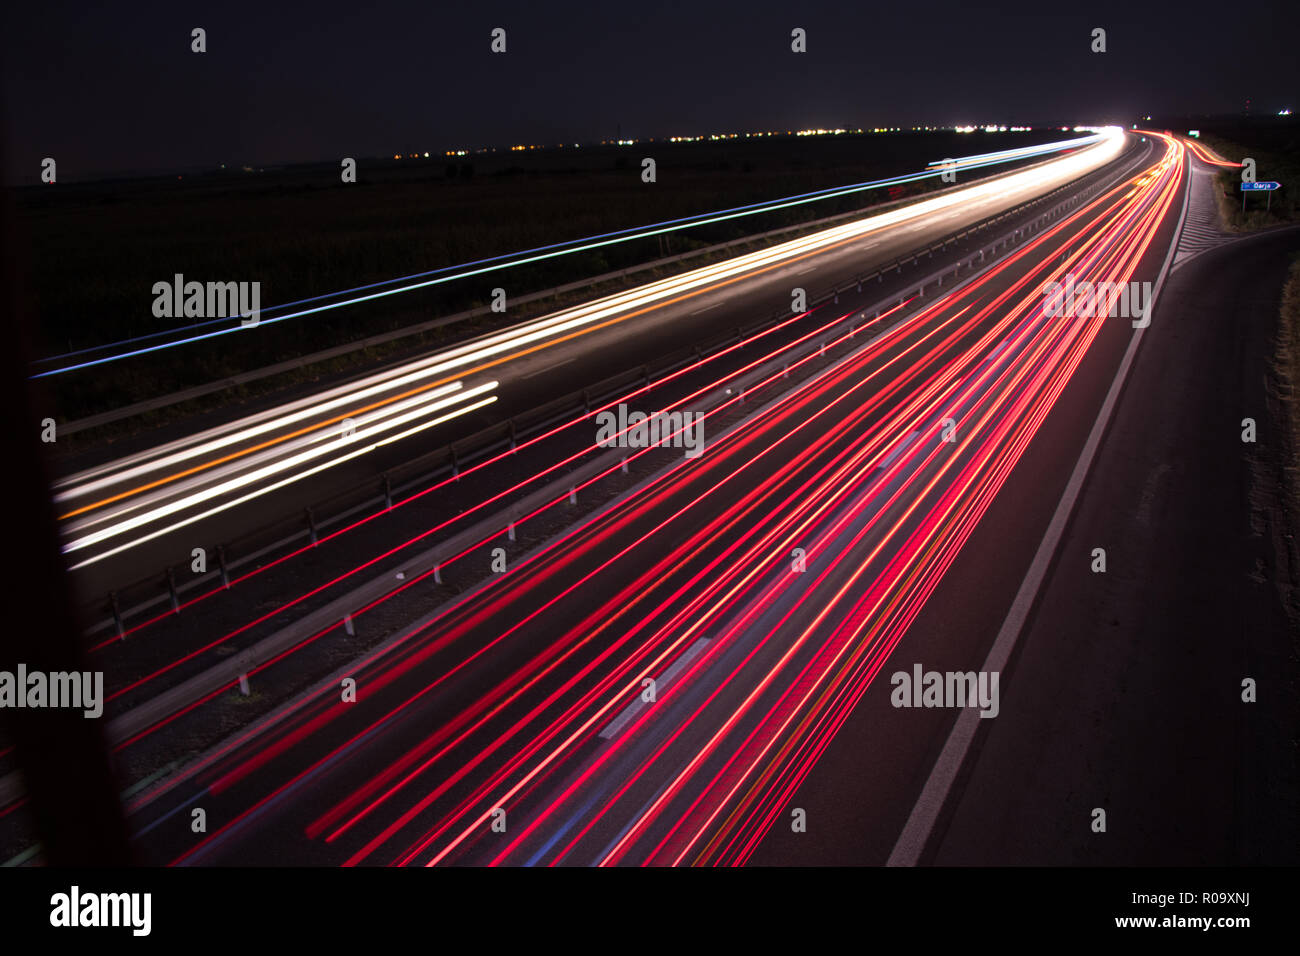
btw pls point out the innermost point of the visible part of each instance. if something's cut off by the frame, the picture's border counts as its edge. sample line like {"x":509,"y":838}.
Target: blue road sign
{"x":1252,"y":187}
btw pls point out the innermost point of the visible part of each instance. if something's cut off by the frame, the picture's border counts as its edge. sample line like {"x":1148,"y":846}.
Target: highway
{"x":668,"y":676}
{"x":580,"y":654}
{"x":130,"y":517}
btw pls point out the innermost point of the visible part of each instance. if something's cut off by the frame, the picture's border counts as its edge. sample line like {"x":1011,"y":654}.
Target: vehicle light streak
{"x":847,"y":464}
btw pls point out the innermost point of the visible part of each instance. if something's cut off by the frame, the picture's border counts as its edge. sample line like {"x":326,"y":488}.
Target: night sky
{"x":114,"y":88}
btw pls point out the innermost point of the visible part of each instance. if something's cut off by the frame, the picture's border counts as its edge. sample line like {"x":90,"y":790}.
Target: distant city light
{"x":718,"y":137}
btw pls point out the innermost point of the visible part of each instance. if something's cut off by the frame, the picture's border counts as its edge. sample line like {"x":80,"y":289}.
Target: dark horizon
{"x":427,"y":80}
{"x":93,"y":177}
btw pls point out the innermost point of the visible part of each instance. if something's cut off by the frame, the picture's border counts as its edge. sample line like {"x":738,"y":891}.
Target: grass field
{"x":1274,"y":144}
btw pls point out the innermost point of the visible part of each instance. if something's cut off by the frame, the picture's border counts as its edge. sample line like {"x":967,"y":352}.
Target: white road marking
{"x":897,"y":450}
{"x":708,"y":307}
{"x":616,"y":725}
{"x":920,"y":824}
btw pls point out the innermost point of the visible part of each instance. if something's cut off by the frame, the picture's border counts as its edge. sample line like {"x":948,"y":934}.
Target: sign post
{"x":1267,"y":187}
